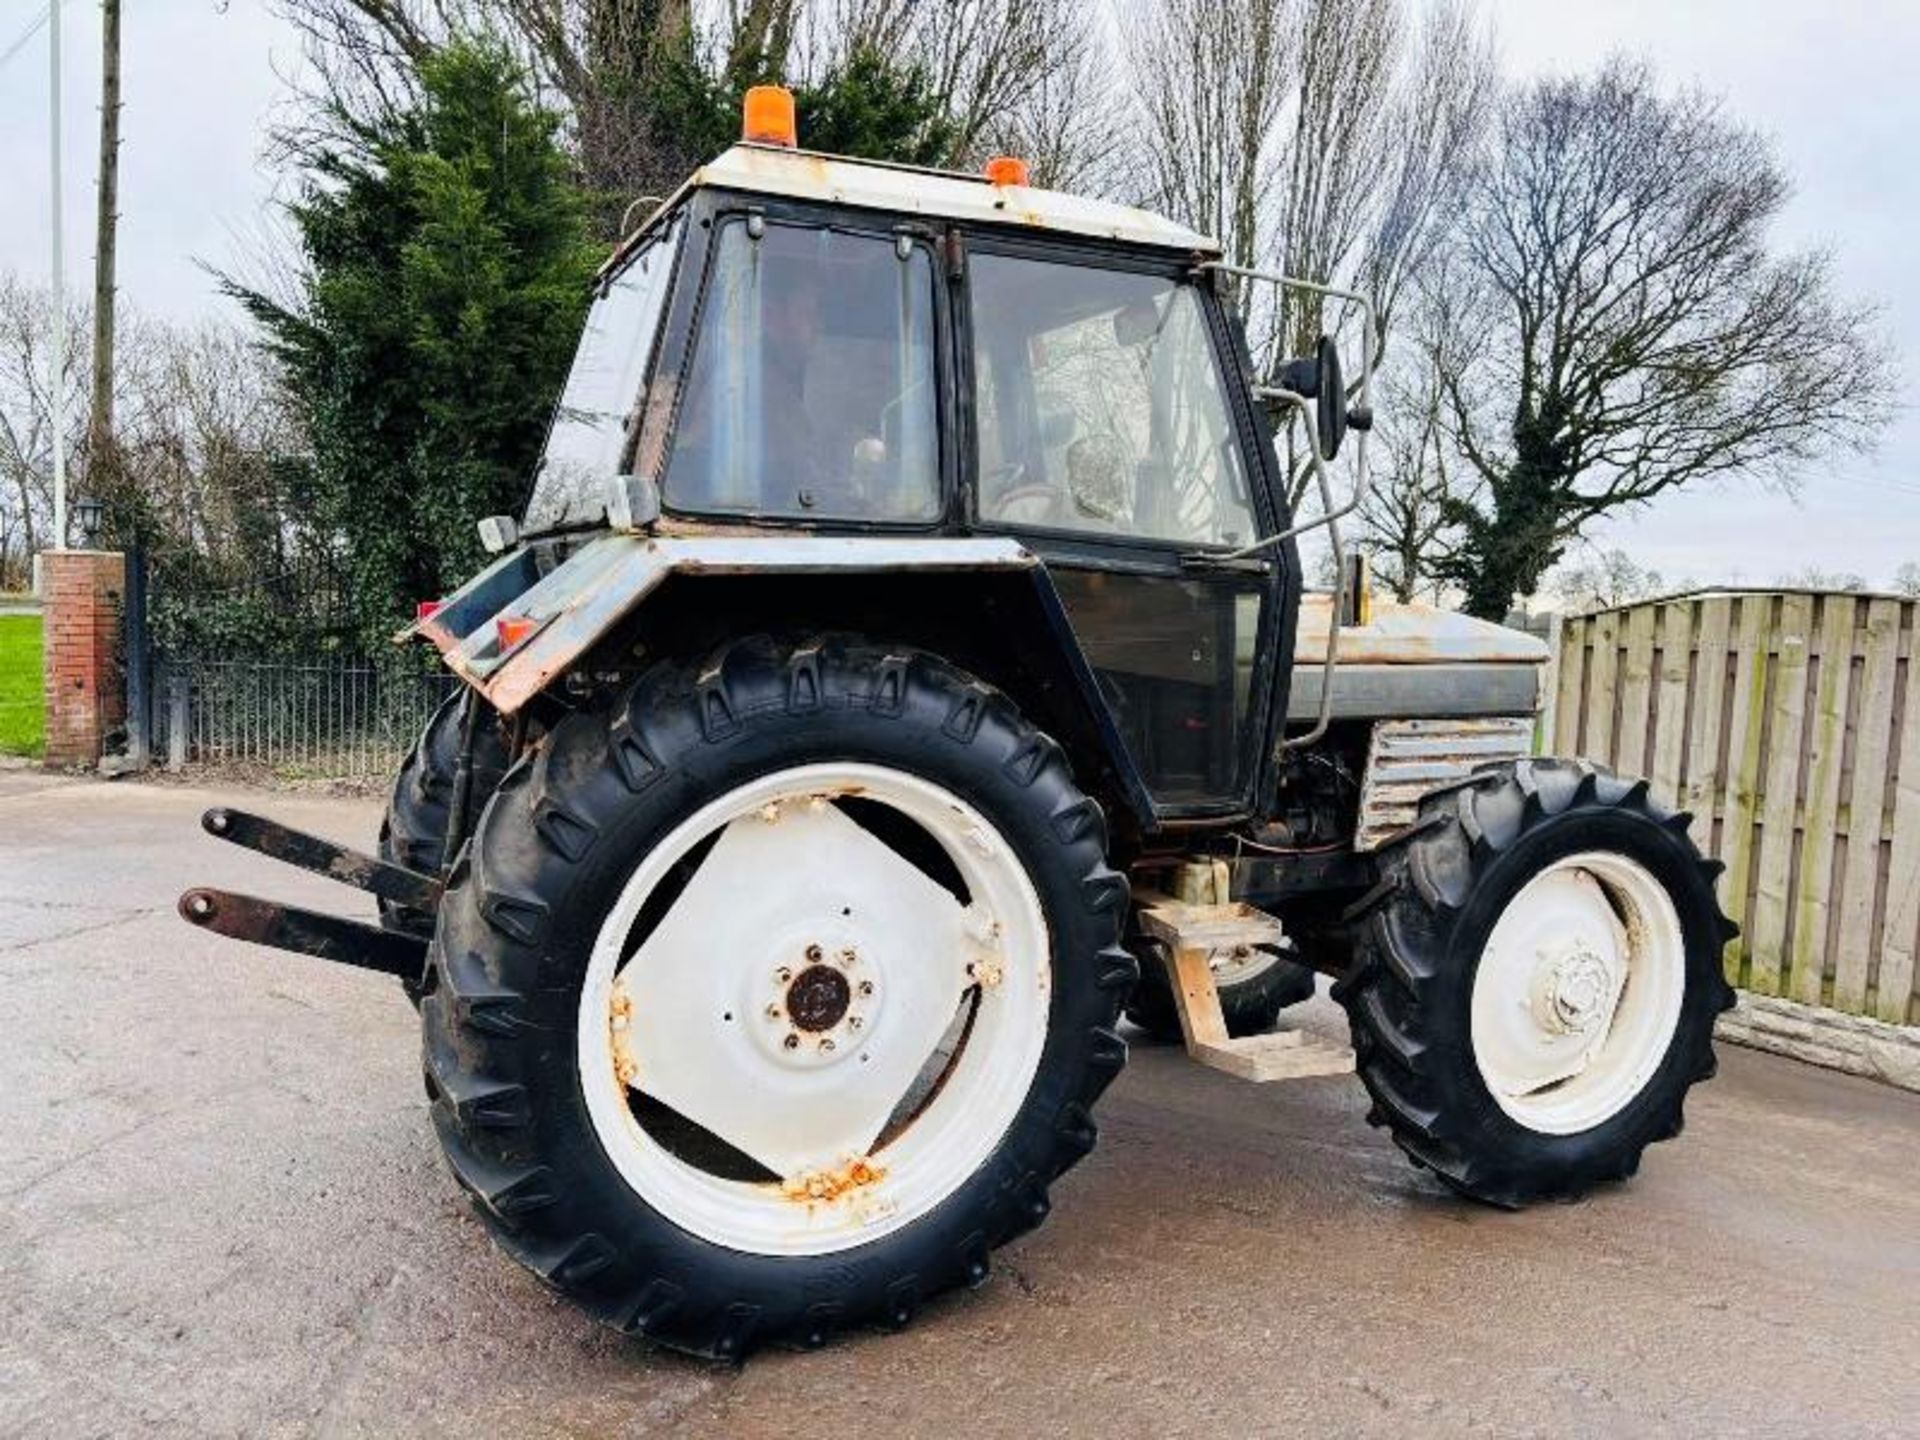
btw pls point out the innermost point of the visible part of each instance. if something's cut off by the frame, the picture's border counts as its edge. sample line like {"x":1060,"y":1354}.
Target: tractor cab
{"x":797,"y":345}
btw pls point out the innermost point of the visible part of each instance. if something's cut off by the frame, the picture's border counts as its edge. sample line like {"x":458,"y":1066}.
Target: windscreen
{"x":811,"y":391}
{"x":589,"y":432}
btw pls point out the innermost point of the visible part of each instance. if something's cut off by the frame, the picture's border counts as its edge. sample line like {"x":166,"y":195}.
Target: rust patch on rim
{"x":827,"y":1186}
{"x":620,"y":1029}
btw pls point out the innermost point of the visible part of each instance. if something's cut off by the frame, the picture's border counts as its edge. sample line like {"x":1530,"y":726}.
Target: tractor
{"x":902,"y":671}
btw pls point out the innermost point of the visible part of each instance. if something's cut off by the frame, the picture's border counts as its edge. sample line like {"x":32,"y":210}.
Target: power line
{"x":33,"y":29}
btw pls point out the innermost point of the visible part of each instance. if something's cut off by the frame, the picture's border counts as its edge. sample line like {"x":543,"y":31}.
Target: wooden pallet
{"x":1192,"y":934}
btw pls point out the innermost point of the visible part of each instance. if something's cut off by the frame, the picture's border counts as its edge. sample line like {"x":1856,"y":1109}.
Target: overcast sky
{"x":1836,"y":86}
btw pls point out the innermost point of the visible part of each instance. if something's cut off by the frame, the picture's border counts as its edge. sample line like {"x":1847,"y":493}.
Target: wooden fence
{"x":1788,"y":723}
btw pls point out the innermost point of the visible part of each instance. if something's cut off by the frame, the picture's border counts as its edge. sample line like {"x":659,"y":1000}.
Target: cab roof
{"x":945,"y":194}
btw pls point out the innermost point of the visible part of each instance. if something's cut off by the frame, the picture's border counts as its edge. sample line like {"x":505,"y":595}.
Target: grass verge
{"x":23,"y":697}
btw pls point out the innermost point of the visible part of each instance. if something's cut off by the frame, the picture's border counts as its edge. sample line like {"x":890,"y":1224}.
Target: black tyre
{"x":414,"y":832}
{"x":1536,"y":980}
{"x":1253,"y":992}
{"x":560,"y":1016}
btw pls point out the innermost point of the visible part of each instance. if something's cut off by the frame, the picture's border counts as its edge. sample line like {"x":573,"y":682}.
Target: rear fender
{"x":987,"y":604}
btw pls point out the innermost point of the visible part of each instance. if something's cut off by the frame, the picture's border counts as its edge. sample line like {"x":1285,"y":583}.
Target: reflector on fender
{"x":514,"y":630}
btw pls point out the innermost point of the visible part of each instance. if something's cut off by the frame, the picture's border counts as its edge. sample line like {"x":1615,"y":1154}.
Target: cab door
{"x":1107,"y":433}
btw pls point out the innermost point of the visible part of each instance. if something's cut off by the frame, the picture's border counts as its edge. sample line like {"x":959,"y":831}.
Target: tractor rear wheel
{"x":414,"y":832}
{"x":773,"y":997}
{"x":1536,"y":980}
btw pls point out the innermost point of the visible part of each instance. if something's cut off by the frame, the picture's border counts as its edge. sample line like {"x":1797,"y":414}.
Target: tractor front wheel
{"x":771,"y":999}
{"x":1536,"y":980}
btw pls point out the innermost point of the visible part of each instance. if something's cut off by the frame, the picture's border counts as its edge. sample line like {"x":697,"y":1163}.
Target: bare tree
{"x":1428,"y":150}
{"x":1018,"y":75}
{"x":1062,"y":119}
{"x":26,"y":418}
{"x":1212,"y":79}
{"x":201,"y":436}
{"x":1008,"y":73}
{"x":206,"y":448}
{"x":1624,"y":327}
{"x":1335,"y":149}
{"x":1906,"y":580}
{"x":1815,"y":577}
{"x":601,"y":59}
{"x":1603,"y":579}
{"x":1328,"y":139}
{"x":1406,"y":518}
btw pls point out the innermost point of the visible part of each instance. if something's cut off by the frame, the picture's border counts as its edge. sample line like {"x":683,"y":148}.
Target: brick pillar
{"x":82,"y":590}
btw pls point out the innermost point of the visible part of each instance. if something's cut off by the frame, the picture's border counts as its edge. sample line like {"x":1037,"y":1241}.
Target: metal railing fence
{"x":320,"y":717}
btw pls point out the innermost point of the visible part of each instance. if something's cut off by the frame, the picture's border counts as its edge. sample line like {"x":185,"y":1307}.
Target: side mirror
{"x":1319,"y":378}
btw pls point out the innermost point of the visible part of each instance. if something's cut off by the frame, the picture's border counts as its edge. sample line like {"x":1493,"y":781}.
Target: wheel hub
{"x":818,"y":998}
{"x":1571,"y":990}
{"x":795,"y":1001}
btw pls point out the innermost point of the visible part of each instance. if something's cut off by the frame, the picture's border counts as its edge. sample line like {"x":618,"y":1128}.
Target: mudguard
{"x":522,"y":623}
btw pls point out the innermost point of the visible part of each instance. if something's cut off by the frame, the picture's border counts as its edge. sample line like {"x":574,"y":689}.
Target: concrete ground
{"x":222,"y":1212}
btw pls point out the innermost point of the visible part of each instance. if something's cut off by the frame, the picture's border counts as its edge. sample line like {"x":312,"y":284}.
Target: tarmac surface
{"x":223,"y":1212}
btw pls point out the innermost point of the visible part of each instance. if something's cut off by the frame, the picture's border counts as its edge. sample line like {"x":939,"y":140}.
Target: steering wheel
{"x":1031,"y":504}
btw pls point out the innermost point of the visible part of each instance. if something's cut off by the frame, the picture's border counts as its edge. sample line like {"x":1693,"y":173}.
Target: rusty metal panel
{"x":1368,"y":692}
{"x":946,"y":194}
{"x":1407,"y":759}
{"x":566,"y":611}
{"x":1412,"y":635}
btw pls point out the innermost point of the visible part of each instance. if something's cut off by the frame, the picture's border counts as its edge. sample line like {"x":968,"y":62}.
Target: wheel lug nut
{"x":866,"y":987}
{"x":773,"y":1012}
{"x":853,"y":1022}
{"x":792,"y":1042}
{"x":826,"y":1042}
{"x":813,"y":954}
{"x":783,"y":974}
{"x":847,"y":957}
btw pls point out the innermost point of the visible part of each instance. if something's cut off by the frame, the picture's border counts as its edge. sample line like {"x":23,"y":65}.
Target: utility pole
{"x":102,"y":454}
{"x":58,"y":390}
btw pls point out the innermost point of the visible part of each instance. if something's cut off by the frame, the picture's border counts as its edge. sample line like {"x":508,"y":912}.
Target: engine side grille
{"x":1408,"y":758}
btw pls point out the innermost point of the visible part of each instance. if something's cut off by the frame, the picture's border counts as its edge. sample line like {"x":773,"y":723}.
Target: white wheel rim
{"x":803,"y":1073}
{"x":1578,"y":992}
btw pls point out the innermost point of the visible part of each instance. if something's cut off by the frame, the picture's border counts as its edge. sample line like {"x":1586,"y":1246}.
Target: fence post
{"x":176,"y":718}
{"x":139,"y":661}
{"x":1545,"y":727}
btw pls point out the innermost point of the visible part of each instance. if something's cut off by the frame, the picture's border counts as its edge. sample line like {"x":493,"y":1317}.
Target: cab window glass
{"x":588,"y":436}
{"x":1106,"y":411}
{"x":811,"y":391}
